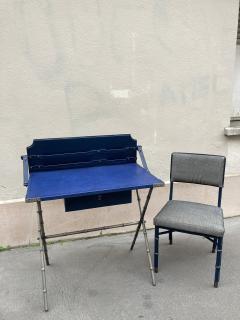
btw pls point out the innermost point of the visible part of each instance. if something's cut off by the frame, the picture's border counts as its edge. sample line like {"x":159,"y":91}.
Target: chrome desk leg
{"x":146,"y":239}
{"x":42,"y":257}
{"x":43,"y":233}
{"x":142,"y":217}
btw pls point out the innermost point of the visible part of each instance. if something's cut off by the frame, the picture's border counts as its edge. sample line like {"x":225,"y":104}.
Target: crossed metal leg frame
{"x":142,"y":223}
{"x":43,"y":245}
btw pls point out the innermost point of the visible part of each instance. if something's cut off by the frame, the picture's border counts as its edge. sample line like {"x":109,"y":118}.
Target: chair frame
{"x":217,"y":242}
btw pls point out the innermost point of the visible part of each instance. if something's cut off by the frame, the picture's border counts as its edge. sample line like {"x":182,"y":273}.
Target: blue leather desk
{"x":87,"y":172}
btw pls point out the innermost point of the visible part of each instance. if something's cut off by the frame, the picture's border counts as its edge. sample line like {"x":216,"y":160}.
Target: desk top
{"x":60,"y":184}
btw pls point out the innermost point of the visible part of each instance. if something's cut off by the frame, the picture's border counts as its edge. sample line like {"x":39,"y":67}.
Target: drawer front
{"x":98,"y":201}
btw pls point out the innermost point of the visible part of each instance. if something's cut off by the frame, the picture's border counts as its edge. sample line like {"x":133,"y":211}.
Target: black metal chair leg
{"x":218,"y":262}
{"x":156,"y":249}
{"x":170,"y":237}
{"x":214,"y":245}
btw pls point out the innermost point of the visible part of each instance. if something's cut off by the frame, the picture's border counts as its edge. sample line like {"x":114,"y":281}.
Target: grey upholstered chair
{"x":191,"y":217}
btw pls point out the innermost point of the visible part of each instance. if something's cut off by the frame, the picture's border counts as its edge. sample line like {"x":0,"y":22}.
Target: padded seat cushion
{"x":191,"y":217}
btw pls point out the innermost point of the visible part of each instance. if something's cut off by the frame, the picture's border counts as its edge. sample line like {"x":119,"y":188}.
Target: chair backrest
{"x":196,"y":168}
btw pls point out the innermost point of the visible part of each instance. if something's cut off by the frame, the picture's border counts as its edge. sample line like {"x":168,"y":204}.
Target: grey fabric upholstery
{"x":191,"y":217}
{"x":198,"y":168}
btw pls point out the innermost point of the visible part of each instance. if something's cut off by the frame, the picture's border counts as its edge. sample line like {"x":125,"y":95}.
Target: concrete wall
{"x":236,"y":83}
{"x":161,"y":70}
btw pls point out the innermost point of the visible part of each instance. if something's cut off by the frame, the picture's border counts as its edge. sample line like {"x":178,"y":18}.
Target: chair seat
{"x":191,"y":217}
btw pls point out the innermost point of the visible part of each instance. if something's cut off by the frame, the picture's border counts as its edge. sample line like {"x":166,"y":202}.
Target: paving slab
{"x":101,"y":279}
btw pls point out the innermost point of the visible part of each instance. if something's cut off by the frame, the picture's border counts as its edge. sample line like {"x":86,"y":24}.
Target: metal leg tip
{"x":154,"y":284}
{"x":215,"y":284}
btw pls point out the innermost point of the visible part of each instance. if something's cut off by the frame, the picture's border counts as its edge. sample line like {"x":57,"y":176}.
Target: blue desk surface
{"x":59,"y":184}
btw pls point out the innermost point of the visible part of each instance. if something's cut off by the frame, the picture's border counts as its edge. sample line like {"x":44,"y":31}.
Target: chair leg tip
{"x":156,"y":270}
{"x":215,"y":284}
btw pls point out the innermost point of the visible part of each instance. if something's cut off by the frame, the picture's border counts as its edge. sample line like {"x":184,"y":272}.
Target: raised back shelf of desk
{"x":81,"y":152}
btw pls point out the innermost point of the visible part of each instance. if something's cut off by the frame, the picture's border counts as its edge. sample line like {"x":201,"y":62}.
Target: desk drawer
{"x":98,"y":201}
